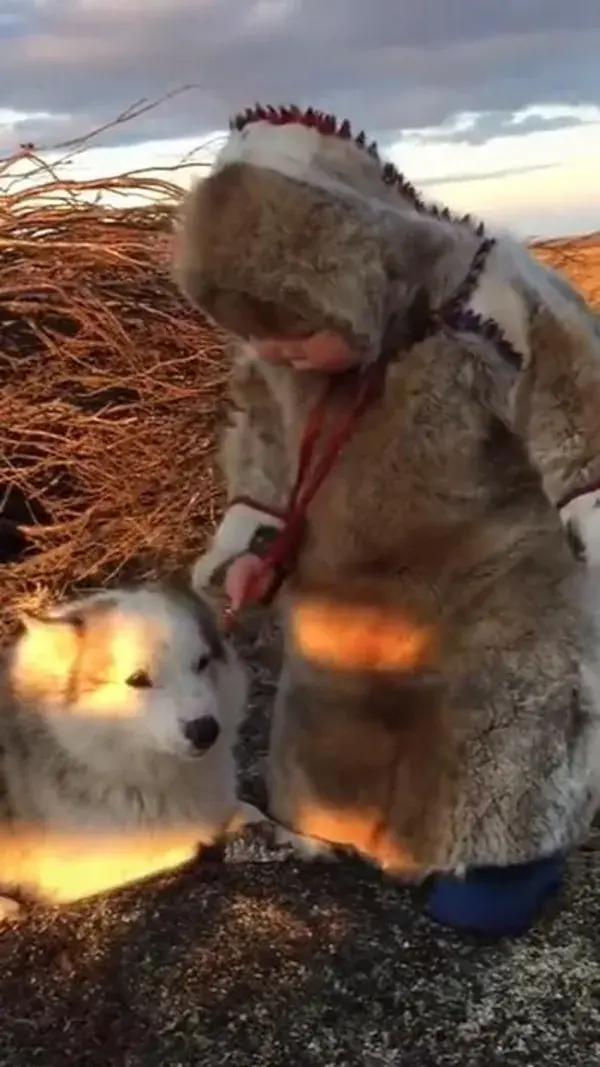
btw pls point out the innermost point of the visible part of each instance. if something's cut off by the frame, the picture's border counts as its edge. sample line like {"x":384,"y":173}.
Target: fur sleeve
{"x":555,"y":410}
{"x":254,"y":466}
{"x":253,"y":452}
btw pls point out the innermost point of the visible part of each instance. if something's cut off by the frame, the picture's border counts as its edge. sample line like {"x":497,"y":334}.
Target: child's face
{"x":323,"y":351}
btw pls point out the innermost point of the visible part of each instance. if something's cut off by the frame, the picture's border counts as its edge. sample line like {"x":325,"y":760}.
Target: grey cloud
{"x":534,"y":124}
{"x":482,"y":176}
{"x":498,"y":124}
{"x":386,"y":64}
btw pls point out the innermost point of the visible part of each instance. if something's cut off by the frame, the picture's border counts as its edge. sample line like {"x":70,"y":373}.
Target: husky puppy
{"x":119,"y":713}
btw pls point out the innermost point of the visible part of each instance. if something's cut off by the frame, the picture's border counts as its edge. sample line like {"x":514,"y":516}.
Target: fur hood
{"x":296,"y":229}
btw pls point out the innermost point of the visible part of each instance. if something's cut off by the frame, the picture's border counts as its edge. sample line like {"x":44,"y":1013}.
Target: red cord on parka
{"x":309,"y":479}
{"x":282,"y":552}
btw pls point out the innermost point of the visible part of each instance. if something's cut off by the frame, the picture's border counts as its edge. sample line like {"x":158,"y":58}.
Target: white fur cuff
{"x":582,"y":517}
{"x":233,"y":537}
{"x":238,"y":526}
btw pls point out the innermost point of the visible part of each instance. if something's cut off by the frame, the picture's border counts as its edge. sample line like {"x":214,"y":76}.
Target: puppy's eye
{"x":139,"y":680}
{"x":202,"y":663}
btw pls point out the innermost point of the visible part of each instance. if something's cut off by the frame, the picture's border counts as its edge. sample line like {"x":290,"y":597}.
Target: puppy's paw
{"x":306,"y":848}
{"x":245,"y":815}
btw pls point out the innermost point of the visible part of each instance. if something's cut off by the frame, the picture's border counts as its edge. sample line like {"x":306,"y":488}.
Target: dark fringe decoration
{"x":328,"y":126}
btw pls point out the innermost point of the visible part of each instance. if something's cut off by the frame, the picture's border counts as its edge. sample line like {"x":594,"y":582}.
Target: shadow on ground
{"x":265,"y":961}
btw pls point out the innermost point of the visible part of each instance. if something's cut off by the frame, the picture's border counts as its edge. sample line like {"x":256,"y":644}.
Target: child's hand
{"x":247,"y":570}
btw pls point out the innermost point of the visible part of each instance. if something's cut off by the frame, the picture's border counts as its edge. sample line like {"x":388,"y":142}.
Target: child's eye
{"x":139,"y":680}
{"x":202,"y":664}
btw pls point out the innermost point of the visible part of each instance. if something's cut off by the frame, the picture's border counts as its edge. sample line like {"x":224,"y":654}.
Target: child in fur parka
{"x":439,"y":708}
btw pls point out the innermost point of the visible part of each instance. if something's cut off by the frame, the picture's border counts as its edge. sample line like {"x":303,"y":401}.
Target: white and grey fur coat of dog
{"x":119,"y":712}
{"x":441,"y":520}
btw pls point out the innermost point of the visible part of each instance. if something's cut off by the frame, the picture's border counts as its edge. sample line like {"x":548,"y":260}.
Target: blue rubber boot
{"x":496,"y":901}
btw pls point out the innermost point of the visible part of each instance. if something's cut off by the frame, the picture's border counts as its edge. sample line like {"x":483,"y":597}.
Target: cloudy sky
{"x":490,"y":105}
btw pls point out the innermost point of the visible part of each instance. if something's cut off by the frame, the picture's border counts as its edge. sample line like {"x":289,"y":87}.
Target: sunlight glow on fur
{"x":359,"y":638}
{"x":68,"y":867}
{"x":360,"y":830}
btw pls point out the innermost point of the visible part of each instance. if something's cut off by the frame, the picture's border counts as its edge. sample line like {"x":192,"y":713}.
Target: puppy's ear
{"x":30,"y":619}
{"x":27,"y":620}
{"x":45,"y":654}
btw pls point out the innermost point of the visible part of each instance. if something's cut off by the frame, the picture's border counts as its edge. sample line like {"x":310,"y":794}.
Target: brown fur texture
{"x":440,"y":515}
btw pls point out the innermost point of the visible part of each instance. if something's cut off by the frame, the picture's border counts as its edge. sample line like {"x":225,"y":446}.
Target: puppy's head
{"x":130,"y":671}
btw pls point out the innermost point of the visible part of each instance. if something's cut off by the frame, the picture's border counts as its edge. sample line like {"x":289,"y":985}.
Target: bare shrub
{"x":111,"y":388}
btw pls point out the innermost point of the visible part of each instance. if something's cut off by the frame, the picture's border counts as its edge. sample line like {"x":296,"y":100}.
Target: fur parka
{"x":439,"y":702}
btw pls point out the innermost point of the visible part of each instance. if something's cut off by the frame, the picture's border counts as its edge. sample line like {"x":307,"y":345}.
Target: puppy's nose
{"x":202,"y":733}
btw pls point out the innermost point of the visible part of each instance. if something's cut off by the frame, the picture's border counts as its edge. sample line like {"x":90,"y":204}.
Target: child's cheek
{"x":273,"y":351}
{"x":324,"y":351}
{"x":327,"y":352}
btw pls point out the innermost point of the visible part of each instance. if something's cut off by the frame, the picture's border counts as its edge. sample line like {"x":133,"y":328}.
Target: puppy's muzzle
{"x":201,"y":733}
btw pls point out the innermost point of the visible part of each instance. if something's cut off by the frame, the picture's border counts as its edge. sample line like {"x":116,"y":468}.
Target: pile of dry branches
{"x":110,"y":389}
